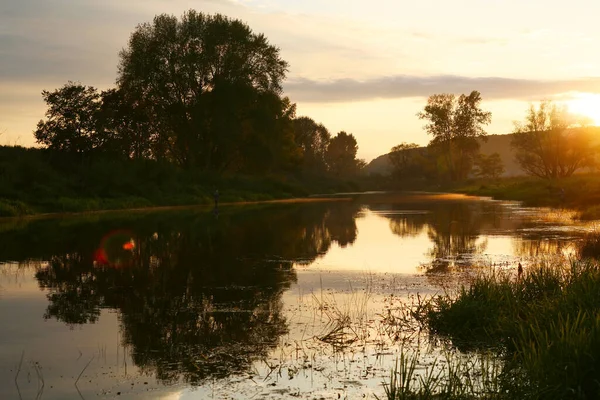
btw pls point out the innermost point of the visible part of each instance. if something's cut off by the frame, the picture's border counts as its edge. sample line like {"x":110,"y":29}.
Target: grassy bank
{"x":34,"y":181}
{"x":545,"y":326}
{"x":580,"y":192}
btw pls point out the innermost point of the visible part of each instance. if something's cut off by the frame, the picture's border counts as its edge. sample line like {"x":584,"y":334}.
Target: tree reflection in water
{"x":198,"y":297}
{"x":453,"y":227}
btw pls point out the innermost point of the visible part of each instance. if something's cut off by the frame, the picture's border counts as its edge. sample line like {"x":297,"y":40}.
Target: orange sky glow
{"x":363,"y":67}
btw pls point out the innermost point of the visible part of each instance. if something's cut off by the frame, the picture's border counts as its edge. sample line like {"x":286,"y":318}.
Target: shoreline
{"x":206,"y":206}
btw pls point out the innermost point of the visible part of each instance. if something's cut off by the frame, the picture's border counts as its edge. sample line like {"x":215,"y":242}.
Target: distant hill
{"x":495,"y":144}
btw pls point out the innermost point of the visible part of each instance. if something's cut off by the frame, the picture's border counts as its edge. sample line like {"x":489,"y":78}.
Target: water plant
{"x":544,"y":326}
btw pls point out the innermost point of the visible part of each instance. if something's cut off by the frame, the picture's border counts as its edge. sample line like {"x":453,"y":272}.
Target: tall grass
{"x":545,"y":326}
{"x":452,"y":376}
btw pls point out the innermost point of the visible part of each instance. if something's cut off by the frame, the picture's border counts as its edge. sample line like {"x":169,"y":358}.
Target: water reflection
{"x":459,"y":231}
{"x":530,"y":248}
{"x":197,"y":297}
{"x":453,"y":228}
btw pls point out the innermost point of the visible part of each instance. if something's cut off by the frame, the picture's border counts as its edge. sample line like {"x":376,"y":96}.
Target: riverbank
{"x":579,"y":192}
{"x":35,"y":181}
{"x":205,"y":207}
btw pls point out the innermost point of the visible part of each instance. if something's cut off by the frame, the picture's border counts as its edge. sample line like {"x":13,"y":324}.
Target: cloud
{"x":28,"y":59}
{"x":405,"y":86}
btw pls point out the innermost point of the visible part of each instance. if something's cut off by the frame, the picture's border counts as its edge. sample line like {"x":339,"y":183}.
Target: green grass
{"x":581,"y":191}
{"x":39,"y":181}
{"x":545,"y":326}
{"x":14,"y":208}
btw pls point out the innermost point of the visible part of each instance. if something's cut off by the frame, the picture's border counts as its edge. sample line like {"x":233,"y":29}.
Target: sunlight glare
{"x":586,"y":104}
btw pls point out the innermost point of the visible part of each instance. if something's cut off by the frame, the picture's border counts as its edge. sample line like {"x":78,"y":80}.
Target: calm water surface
{"x":243,"y":304}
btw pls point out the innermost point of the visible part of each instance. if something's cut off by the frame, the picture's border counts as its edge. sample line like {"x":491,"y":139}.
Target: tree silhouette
{"x":71,"y":123}
{"x":548,"y":146}
{"x":313,"y":139}
{"x":341,"y":155}
{"x":212,"y":87}
{"x":489,"y":167}
{"x":455,"y":124}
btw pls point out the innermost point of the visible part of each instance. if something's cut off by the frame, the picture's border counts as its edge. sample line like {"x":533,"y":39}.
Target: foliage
{"x":455,"y":124}
{"x":489,"y":167}
{"x":212,"y":88}
{"x":341,"y":155}
{"x":202,"y":93}
{"x":454,"y":377}
{"x":71,"y":119}
{"x":313,"y":139}
{"x":128,"y":128}
{"x":546,"y":323}
{"x":579,"y":191}
{"x":404,"y":159}
{"x":548,"y":146}
{"x":34,"y":180}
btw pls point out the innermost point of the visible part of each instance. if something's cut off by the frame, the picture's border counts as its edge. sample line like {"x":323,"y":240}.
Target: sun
{"x":587,"y":105}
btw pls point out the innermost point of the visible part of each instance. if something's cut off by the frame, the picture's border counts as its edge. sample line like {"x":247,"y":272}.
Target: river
{"x":258,"y":301}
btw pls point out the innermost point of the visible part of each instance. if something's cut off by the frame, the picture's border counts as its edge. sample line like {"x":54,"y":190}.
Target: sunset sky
{"x":365,"y":67}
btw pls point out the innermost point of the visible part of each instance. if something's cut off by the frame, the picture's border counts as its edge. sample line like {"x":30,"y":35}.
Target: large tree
{"x":71,"y":123}
{"x":456,"y":124}
{"x":131,"y":131}
{"x":201,"y":79}
{"x":551,"y":143}
{"x":312,"y":139}
{"x":341,"y":156}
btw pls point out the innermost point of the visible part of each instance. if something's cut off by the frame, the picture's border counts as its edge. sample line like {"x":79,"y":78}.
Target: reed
{"x":545,"y":326}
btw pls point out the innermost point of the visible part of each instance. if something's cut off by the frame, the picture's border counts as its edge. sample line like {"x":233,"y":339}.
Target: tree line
{"x":201,"y":92}
{"x":551,"y":143}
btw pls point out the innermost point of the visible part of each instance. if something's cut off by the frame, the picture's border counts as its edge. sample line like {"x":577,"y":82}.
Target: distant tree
{"x":341,"y":156}
{"x":312,"y":139}
{"x":200,"y":79}
{"x":456,"y":124}
{"x":489,"y":167}
{"x":71,"y":123}
{"x":551,"y":143}
{"x":403,"y":159}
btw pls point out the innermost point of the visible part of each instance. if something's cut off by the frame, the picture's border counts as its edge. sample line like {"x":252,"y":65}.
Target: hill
{"x":494,"y":144}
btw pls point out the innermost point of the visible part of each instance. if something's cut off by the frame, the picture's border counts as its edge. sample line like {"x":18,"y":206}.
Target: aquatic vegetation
{"x":590,"y":246}
{"x":545,"y":326}
{"x":450,"y":376}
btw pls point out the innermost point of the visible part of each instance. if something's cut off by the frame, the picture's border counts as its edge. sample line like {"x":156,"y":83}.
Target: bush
{"x":13,"y":208}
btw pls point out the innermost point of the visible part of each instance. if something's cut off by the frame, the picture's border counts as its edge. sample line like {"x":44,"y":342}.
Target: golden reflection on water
{"x":201,"y":294}
{"x":376,"y":249}
{"x":456,"y":234}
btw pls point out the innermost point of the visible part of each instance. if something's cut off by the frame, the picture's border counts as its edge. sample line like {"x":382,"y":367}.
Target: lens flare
{"x":116,"y":249}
